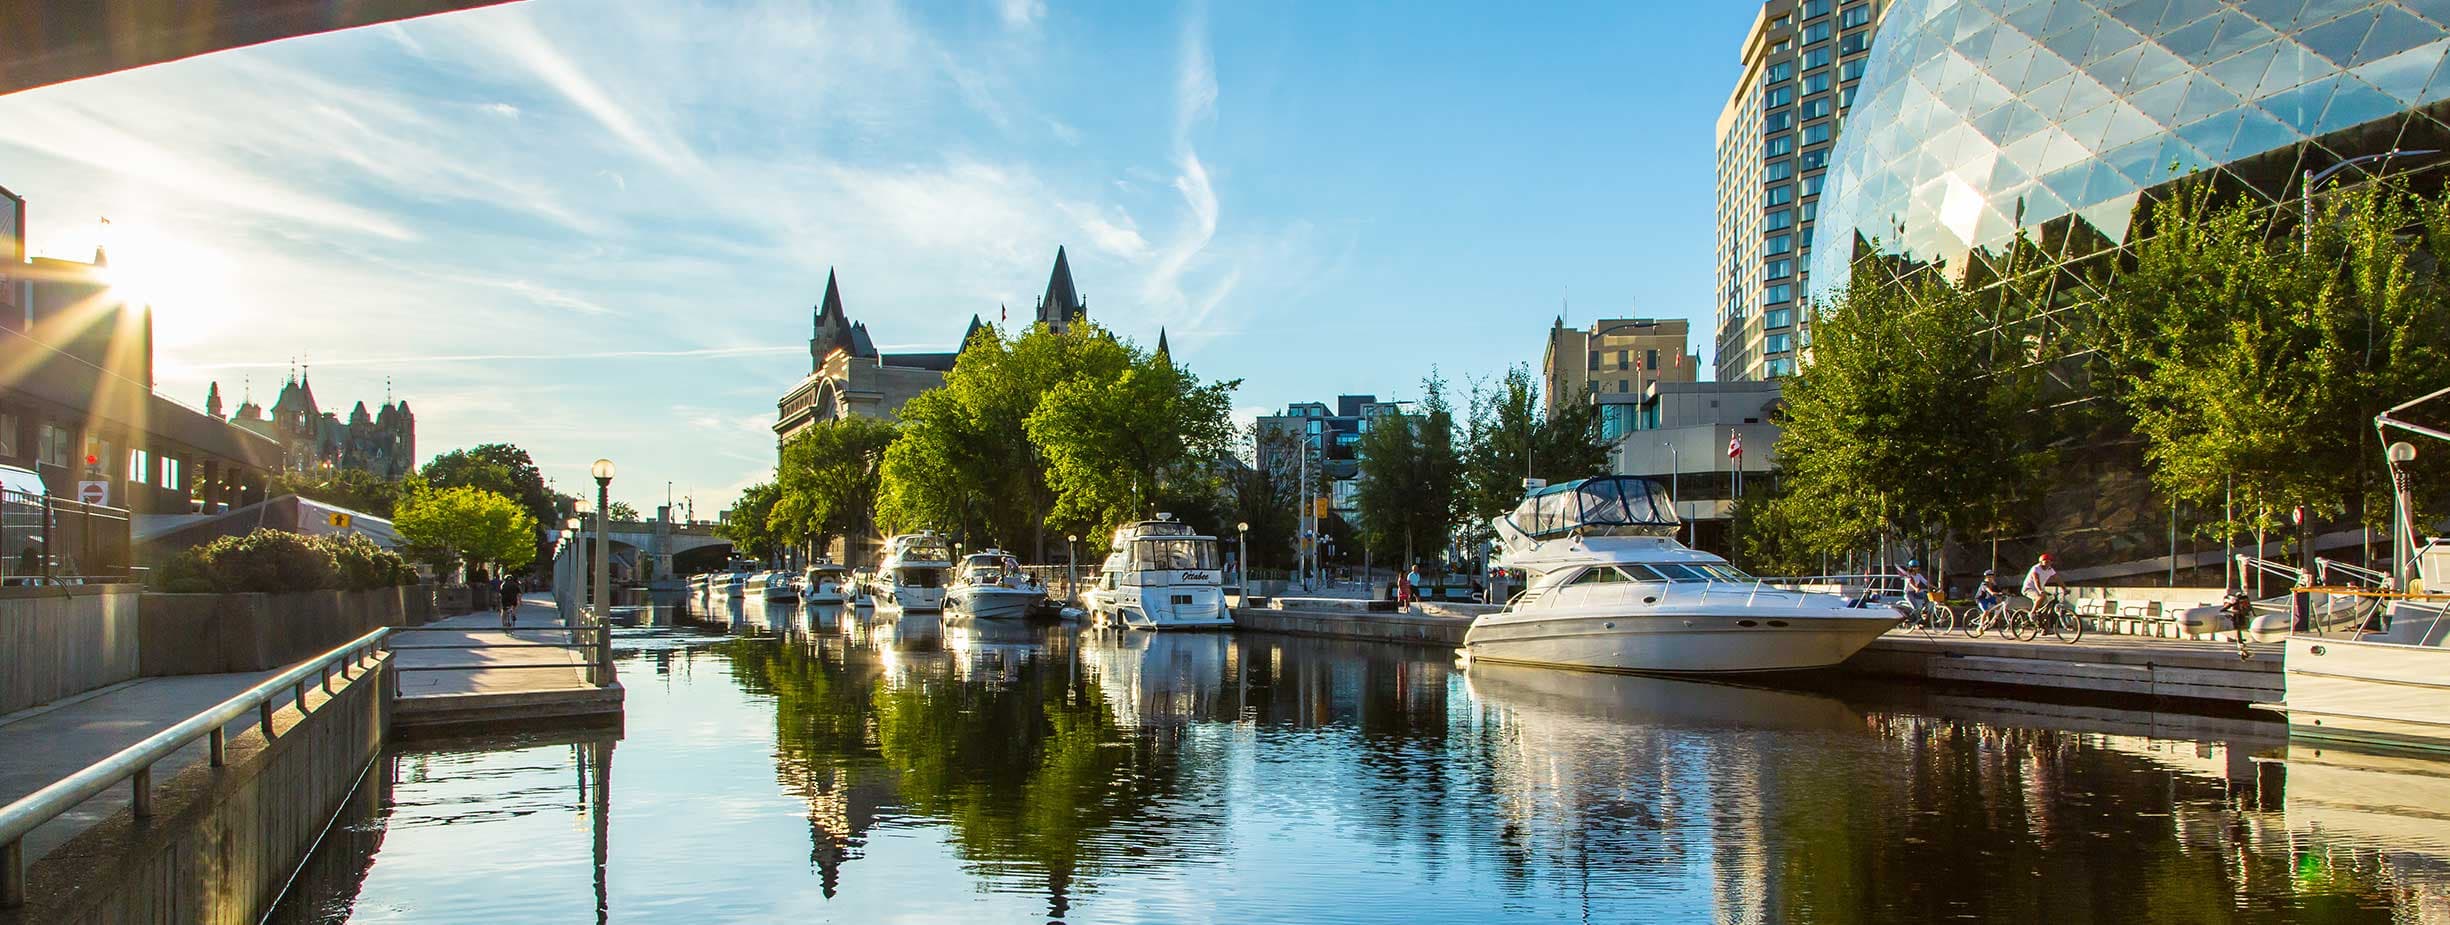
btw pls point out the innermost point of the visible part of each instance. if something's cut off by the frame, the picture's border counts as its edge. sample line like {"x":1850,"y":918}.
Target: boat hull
{"x":2375,"y":693}
{"x":915,"y":598}
{"x":1676,"y":643}
{"x":993,"y":603}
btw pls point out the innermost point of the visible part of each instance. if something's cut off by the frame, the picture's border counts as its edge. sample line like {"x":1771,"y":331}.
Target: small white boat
{"x":826,"y":583}
{"x":1160,"y":575}
{"x":913,"y":572}
{"x":990,"y":585}
{"x":733,"y":585}
{"x":1612,"y":590}
{"x":772,"y":586}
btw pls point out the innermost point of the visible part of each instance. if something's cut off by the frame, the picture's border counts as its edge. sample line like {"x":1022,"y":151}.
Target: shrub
{"x":279,"y":561}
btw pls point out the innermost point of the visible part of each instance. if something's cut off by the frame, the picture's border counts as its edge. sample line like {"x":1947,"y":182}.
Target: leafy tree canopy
{"x":471,"y":525}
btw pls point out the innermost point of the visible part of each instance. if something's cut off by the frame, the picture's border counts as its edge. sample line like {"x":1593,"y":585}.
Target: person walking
{"x":510,"y":601}
{"x":1412,"y":580}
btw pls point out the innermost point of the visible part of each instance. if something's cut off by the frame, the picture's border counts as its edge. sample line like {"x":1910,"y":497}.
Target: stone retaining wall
{"x":59,"y":641}
{"x":217,"y":633}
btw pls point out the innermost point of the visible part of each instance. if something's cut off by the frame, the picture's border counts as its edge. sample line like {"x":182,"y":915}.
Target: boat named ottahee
{"x":912,"y":574}
{"x":990,"y":585}
{"x":1160,"y":575}
{"x":1610,"y":589}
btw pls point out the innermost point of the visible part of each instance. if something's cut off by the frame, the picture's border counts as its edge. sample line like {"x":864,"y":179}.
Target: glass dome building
{"x":1978,"y":118}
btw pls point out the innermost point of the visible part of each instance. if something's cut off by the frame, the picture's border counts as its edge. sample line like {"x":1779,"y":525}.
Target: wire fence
{"x":46,"y":540}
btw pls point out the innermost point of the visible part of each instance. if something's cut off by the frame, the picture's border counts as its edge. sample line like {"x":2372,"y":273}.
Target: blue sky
{"x":597,"y":229}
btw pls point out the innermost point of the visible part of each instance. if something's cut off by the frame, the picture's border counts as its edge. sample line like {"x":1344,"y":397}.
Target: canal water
{"x":859,"y":766}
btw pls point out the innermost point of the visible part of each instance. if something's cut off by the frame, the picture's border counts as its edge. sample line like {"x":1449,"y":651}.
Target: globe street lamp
{"x":1071,"y":566}
{"x":565,"y":592}
{"x":603,"y":472}
{"x":1242,"y":563}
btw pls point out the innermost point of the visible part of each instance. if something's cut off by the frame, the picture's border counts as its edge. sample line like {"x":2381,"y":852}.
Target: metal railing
{"x":135,"y":762}
{"x":595,"y":639}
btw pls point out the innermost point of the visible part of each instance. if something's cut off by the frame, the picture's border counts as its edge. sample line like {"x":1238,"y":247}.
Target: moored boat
{"x":826,"y":583}
{"x":990,"y":585}
{"x":1161,"y":574}
{"x":912,"y":574}
{"x":1612,"y":590}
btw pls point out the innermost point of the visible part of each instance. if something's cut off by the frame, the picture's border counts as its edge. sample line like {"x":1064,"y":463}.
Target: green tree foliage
{"x":355,"y":489}
{"x":470,"y":525}
{"x":1767,"y":538}
{"x":461,"y":469}
{"x":827,"y":481}
{"x":1411,"y":478}
{"x":503,"y":469}
{"x":1117,"y":447}
{"x":279,"y":561}
{"x":1910,"y":420}
{"x":749,"y":524}
{"x":2258,"y":360}
{"x":622,"y":511}
{"x":1508,"y":437}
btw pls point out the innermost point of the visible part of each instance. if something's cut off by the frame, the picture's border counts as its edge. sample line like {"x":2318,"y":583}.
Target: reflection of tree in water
{"x":825,"y":753}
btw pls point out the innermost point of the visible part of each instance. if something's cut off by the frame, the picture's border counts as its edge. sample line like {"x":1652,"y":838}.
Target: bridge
{"x":56,"y":41}
{"x":648,"y":551}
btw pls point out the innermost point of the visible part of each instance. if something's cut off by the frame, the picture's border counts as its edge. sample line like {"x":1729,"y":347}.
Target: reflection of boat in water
{"x":1157,"y":678}
{"x":990,"y":585}
{"x":825,"y":583}
{"x":1656,"y":701}
{"x":1161,"y":575}
{"x":912,"y":574}
{"x":1612,"y":590}
{"x":2342,"y":802}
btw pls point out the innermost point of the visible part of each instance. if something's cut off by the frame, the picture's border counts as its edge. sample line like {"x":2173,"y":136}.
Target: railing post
{"x":12,"y":875}
{"x":301,"y":687}
{"x":325,"y":670}
{"x":221,"y":748}
{"x":263,"y":710}
{"x":142,"y":805}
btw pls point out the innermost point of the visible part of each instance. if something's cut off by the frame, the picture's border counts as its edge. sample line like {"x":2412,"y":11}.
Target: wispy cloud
{"x":1195,"y":96}
{"x":407,"y":360}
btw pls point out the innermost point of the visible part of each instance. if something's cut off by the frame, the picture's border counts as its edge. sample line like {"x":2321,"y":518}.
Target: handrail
{"x":136,"y":761}
{"x":2324,"y":567}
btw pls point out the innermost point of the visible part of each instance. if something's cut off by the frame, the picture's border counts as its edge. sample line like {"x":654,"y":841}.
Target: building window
{"x":1815,"y":8}
{"x":1778,"y":121}
{"x":1846,"y":97}
{"x":1782,"y":366}
{"x":1782,"y":46}
{"x":1854,"y":43}
{"x":1780,"y":71}
{"x":1779,"y":147}
{"x":8,"y":435}
{"x":1780,"y":194}
{"x":1857,"y":15}
{"x":1776,"y":343}
{"x":1778,"y":170}
{"x":1622,"y":357}
{"x":1816,"y":108}
{"x":1623,"y":386}
{"x":1811,"y":210}
{"x":1815,"y":160}
{"x":1780,"y":243}
{"x":1650,"y":359}
{"x":1778,"y":292}
{"x":1780,"y":219}
{"x":1816,"y":57}
{"x":1815,"y":134}
{"x":140,"y":467}
{"x":1816,"y":32}
{"x":55,"y":446}
{"x":1816,"y":83}
{"x":170,"y":473}
{"x":1594,"y":359}
{"x":1775,"y":97}
{"x":1782,"y":266}
{"x":1812,"y":184}
{"x":1853,"y":70}
{"x":1778,"y":318}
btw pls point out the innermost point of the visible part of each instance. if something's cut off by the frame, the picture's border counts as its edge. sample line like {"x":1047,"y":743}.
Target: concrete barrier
{"x":1435,"y":629}
{"x":222,"y":842}
{"x":60,"y":641}
{"x":217,"y":633}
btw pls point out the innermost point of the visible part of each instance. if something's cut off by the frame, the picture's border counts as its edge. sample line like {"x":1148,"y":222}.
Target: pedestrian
{"x":510,"y":601}
{"x":1412,"y":579}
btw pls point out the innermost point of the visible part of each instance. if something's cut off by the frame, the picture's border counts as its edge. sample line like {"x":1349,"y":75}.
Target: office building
{"x":1331,"y":435}
{"x":1680,"y":434}
{"x":1615,"y":356}
{"x":1802,"y":61}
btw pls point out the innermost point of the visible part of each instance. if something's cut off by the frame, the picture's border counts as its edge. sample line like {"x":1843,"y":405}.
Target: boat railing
{"x":2324,"y":569}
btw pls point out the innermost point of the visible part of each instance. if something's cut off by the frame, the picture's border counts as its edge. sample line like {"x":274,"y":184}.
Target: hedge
{"x":279,"y":561}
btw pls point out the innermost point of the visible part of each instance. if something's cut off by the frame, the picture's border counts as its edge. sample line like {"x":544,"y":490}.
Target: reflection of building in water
{"x":1162,"y":679}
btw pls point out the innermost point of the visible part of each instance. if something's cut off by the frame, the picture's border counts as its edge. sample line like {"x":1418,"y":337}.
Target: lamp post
{"x":2402,"y":534}
{"x":603,"y":472}
{"x":1675,"y":485}
{"x":570,"y":565}
{"x":1071,"y":566}
{"x":1242,"y":563}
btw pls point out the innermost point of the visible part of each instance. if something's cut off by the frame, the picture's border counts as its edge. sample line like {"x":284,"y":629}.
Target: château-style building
{"x":849,"y":377}
{"x":381,"y":442}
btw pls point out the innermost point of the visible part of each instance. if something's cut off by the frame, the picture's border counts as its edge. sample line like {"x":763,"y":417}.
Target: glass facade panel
{"x":1981,"y":118}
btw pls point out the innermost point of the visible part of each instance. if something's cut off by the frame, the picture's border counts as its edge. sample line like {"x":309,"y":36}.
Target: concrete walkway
{"x":41,"y":745}
{"x":479,"y":639}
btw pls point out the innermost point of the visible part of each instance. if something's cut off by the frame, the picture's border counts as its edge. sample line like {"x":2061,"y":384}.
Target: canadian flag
{"x":1735,"y":446}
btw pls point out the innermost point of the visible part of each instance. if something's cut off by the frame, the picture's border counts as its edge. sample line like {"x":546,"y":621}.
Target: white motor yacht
{"x":913,"y":571}
{"x":1612,"y":590}
{"x":772,"y":586}
{"x":2386,"y":682}
{"x":1161,"y":574}
{"x":990,"y":585}
{"x":826,"y":583}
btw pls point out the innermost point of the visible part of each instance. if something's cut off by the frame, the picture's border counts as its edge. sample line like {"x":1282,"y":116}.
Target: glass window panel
{"x":2047,"y":66}
{"x":2301,"y":108}
{"x":2154,"y":64}
{"x":2112,"y":40}
{"x":2405,"y":74}
{"x":2239,"y":32}
{"x":2204,"y":98}
{"x":1816,"y":57}
{"x":1854,"y":43}
{"x":1778,"y":170}
{"x":1780,"y":195}
{"x":2211,"y":136}
{"x":1853,"y":69}
{"x":2355,"y":104}
{"x":2241,"y":73}
{"x":2071,"y":43}
{"x":1816,"y":32}
{"x":2144,"y":15}
{"x":2194,"y":42}
{"x":2278,"y":14}
{"x":2258,"y":132}
{"x":2393,"y":32}
{"x":2291,"y":66}
{"x":1779,"y":244}
{"x":2338,"y":39}
{"x":2182,"y":12}
{"x":1816,"y":83}
{"x":1856,"y":15}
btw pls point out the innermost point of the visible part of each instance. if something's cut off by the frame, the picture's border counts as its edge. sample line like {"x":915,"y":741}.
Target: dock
{"x":2138,"y":666}
{"x":467,"y":674}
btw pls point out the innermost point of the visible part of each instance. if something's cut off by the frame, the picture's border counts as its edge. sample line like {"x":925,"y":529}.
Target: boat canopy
{"x":1620,"y":505}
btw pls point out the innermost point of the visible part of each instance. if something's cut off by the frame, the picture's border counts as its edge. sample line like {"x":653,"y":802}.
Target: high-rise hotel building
{"x":1802,"y":60}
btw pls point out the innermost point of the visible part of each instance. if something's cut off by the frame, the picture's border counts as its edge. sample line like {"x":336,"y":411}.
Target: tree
{"x":749,"y":523}
{"x":1113,"y":445}
{"x":621,"y":510}
{"x":460,"y":469}
{"x":828,"y":479}
{"x":1266,"y":495}
{"x":471,"y":525}
{"x":1910,"y":419}
{"x":1508,"y":438}
{"x":1411,"y":475}
{"x":355,"y":489}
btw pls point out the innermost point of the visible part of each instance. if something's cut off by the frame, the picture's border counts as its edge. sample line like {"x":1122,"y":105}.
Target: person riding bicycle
{"x":2043,"y":577}
{"x":1917,"y":588}
{"x":1989,"y":593}
{"x":509,"y":589}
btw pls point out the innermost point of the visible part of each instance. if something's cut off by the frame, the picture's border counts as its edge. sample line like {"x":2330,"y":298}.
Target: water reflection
{"x":858,"y":763}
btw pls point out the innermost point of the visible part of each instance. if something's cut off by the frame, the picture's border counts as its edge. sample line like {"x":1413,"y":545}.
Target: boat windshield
{"x":1174,"y":554}
{"x":927,"y":549}
{"x":987,"y":570}
{"x":1609,"y":505}
{"x":1684,"y":571}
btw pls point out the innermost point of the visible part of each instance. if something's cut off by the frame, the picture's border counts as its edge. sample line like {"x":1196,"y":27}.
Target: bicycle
{"x":1981,"y":619}
{"x":2061,"y":620}
{"x":1934,"y":618}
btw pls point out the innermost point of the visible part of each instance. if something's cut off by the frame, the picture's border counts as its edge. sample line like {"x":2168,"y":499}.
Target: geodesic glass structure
{"x":1979,"y":118}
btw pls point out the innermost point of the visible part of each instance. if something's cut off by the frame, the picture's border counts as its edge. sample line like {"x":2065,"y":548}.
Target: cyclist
{"x":2043,"y":577}
{"x":1918,"y":589}
{"x":1988,"y":594}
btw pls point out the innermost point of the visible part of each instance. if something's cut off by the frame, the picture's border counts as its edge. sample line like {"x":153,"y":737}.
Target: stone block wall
{"x":216,"y":633}
{"x":60,"y":641}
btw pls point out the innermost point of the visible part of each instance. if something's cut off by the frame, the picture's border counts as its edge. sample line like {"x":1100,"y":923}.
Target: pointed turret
{"x":971,"y":333}
{"x":1163,"y":353}
{"x":1062,"y":303}
{"x":359,"y":417}
{"x":833,"y":326}
{"x":212,"y":399}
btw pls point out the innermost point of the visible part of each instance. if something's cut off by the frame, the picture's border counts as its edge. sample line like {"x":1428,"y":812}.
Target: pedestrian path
{"x":41,"y":745}
{"x":470,"y":672}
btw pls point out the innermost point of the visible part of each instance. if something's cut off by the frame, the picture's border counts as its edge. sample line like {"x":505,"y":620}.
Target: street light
{"x":603,"y":472}
{"x":1071,"y":566}
{"x":1242,"y":563}
{"x":1675,"y":485}
{"x":569,"y":566}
